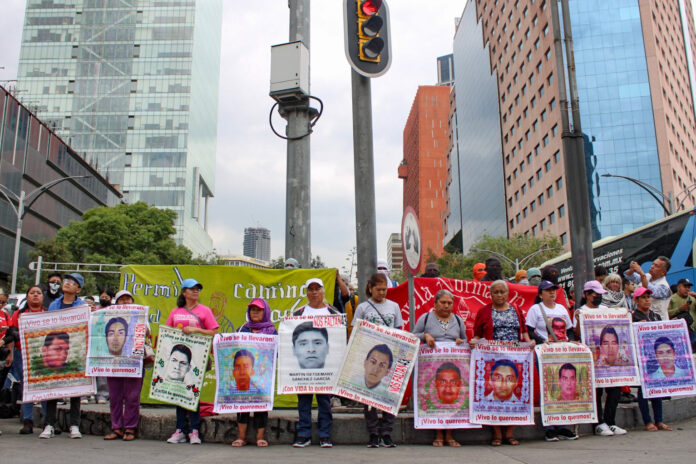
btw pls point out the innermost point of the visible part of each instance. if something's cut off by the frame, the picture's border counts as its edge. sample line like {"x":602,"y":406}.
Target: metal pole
{"x":574,"y":154}
{"x":39,"y":262}
{"x":365,"y":216}
{"x":411,"y":327}
{"x":18,"y":239}
{"x":297,"y":197}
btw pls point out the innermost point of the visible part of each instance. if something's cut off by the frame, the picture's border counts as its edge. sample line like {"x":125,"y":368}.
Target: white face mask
{"x":54,"y":286}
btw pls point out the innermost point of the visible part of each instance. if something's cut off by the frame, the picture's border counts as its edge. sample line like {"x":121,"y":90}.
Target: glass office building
{"x":133,"y":87}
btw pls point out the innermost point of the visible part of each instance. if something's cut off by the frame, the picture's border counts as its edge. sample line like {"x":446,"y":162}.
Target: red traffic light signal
{"x":370,"y":7}
{"x":367,"y":36}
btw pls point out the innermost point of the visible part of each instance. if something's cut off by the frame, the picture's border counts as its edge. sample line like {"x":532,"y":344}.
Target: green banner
{"x":226,"y":290}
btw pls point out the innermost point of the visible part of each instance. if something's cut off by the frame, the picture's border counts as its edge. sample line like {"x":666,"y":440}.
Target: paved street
{"x":636,"y":447}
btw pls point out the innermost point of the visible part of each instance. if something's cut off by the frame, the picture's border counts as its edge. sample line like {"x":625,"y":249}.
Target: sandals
{"x":115,"y":434}
{"x":511,"y":441}
{"x":261,"y":443}
{"x":651,"y":427}
{"x":663,"y":426}
{"x":438,"y":443}
{"x":129,"y":435}
{"x":238,"y":443}
{"x":496,"y":442}
{"x":453,"y":443}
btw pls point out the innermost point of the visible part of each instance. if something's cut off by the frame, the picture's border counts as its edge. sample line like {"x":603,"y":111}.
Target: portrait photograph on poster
{"x":117,"y":341}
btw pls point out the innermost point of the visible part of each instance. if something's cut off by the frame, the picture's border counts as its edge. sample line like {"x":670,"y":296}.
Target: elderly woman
{"x":441,"y":325}
{"x":500,"y":321}
{"x":615,"y":297}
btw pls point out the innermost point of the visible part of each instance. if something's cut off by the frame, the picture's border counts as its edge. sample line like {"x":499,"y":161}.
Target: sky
{"x":250,"y":181}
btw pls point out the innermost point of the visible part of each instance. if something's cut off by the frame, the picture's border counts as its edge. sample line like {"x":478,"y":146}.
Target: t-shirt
{"x":536,"y":321}
{"x":309,"y":311}
{"x":180,"y":317}
{"x":370,"y":311}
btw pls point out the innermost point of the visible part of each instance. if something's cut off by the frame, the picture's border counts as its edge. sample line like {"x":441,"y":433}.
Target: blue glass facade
{"x":616,"y":113}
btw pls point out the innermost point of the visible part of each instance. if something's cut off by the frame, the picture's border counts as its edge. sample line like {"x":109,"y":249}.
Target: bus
{"x":672,"y":236}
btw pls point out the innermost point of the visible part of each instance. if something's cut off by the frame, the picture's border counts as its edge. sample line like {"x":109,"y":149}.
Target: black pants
{"x":52,"y":407}
{"x":613,"y":395}
{"x":260,"y":419}
{"x":375,"y":425}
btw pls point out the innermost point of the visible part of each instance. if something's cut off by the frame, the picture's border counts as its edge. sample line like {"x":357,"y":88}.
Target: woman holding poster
{"x":441,"y":324}
{"x":191,"y":317}
{"x":504,"y":322}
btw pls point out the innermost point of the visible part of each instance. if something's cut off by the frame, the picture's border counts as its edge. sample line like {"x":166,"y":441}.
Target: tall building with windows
{"x":132,"y":86}
{"x":395,"y":252}
{"x":257,"y":243}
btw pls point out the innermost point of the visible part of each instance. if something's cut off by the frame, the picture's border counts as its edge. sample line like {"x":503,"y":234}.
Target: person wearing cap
{"x":315,"y":307}
{"x":124,"y":394}
{"x":431,"y":270}
{"x":291,"y":263}
{"x":592,"y":294}
{"x":191,"y":317}
{"x":494,"y":270}
{"x":478,"y":271}
{"x":258,"y":320}
{"x":383,"y":267}
{"x":655,"y":281}
{"x":72,"y":286}
{"x":521,"y":277}
{"x":534,"y":276}
{"x":682,"y":305}
{"x":644,"y":313}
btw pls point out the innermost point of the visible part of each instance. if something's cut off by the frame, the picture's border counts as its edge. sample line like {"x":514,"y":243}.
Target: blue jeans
{"x":17,"y":373}
{"x":194,"y":418}
{"x":645,"y":411}
{"x":304,"y":408}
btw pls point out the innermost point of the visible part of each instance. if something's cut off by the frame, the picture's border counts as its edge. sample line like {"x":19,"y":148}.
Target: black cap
{"x":686,"y":282}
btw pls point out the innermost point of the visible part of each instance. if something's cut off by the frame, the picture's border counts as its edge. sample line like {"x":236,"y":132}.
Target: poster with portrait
{"x":665,"y":358}
{"x":180,"y":362}
{"x":117,"y":341}
{"x":442,"y":385}
{"x":244,"y":371}
{"x":567,"y":393}
{"x":310,"y":352}
{"x":377,"y":365}
{"x":55,"y":354}
{"x":502,"y":383}
{"x":607,"y":333}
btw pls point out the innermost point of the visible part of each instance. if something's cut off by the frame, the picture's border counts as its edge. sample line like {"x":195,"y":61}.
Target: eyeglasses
{"x":69,"y":282}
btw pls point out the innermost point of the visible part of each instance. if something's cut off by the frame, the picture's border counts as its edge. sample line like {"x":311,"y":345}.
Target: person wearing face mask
{"x":533,"y":276}
{"x":106,"y":294}
{"x":53,"y":289}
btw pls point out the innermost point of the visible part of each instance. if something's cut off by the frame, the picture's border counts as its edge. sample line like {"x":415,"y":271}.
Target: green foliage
{"x":317,"y":263}
{"x":278,"y":263}
{"x":518,"y":247}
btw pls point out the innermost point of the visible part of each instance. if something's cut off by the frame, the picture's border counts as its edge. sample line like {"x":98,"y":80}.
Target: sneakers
{"x":325,"y":443}
{"x":618,"y":430}
{"x":28,"y":428}
{"x":48,"y":432}
{"x":387,"y":442}
{"x":75,"y":432}
{"x":84,"y":400}
{"x":566,"y":434}
{"x":374,"y":441}
{"x":302,"y":442}
{"x":177,"y":437}
{"x":101,"y":400}
{"x":604,"y":430}
{"x":194,"y":439}
{"x":551,"y":435}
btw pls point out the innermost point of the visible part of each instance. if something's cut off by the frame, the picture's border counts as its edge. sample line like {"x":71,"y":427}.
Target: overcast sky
{"x":250,"y":182}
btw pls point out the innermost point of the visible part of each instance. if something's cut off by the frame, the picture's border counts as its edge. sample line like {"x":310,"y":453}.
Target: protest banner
{"x":665,"y":358}
{"x":117,"y":341}
{"x":180,"y":363}
{"x":158,"y":287}
{"x":442,"y":383}
{"x":377,"y":365}
{"x":55,"y":354}
{"x":310,"y":352}
{"x":502,"y":383}
{"x":607,"y":333}
{"x":244,"y":372}
{"x":566,"y":373}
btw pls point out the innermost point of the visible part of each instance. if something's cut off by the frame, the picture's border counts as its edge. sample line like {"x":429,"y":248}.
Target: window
{"x":539,"y":66}
{"x":532,"y":205}
{"x":510,"y":202}
{"x":512,"y":223}
{"x":524,"y":212}
{"x":535,"y":20}
{"x":534,"y":230}
{"x":517,"y":218}
{"x":564,"y":238}
{"x":554,"y":132}
{"x":548,"y":55}
{"x":547,"y":167}
{"x":535,"y":125}
{"x":524,"y":189}
{"x":538,"y":174}
{"x":552,"y":104}
{"x":546,"y":29}
{"x":543,"y":115}
{"x":559,"y":183}
{"x":507,"y":159}
{"x":514,"y":173}
{"x":561,"y":211}
{"x":529,"y":157}
{"x":546,"y":140}
{"x":557,"y":156}
{"x":522,"y":166}
{"x":541,"y":91}
{"x":549,"y":192}
{"x":552,"y":218}
{"x":541,"y":199}
{"x":534,"y":101}
{"x":536,"y":150}
{"x":517,"y":195}
{"x":537,"y":43}
{"x":509,"y":180}
{"x":550,"y":79}
{"x":526,"y":111}
{"x":531,"y":79}
{"x":524,"y":89}
{"x":542,"y":224}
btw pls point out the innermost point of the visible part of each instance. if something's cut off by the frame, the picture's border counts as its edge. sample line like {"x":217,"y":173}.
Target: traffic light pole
{"x":364,"y":171}
{"x":298,"y":220}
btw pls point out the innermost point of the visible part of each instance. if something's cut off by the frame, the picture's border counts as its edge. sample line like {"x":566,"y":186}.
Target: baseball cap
{"x":122,"y":293}
{"x":593,"y":286}
{"x":190,"y":283}
{"x":640,"y":291}
{"x":257,"y":303}
{"x":77,"y":277}
{"x":314,"y":280}
{"x":291,"y":263}
{"x":686,"y":282}
{"x":533,"y":272}
{"x":545,"y":284}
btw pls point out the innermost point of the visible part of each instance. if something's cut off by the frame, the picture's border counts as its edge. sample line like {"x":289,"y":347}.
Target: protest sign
{"x":180,"y":363}
{"x":502,"y":383}
{"x":244,"y":372}
{"x":310,"y":352}
{"x":442,"y":383}
{"x":377,"y":365}
{"x":607,"y":333}
{"x":117,"y":341}
{"x":665,"y":358}
{"x":55,"y":354}
{"x":566,"y":373}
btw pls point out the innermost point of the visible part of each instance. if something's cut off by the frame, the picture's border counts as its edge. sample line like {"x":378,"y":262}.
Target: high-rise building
{"x":132,"y":86}
{"x":424,"y":166}
{"x":257,"y":243}
{"x":634,"y":67}
{"x":395,"y":252}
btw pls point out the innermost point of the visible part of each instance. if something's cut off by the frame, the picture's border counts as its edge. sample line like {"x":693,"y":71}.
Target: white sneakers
{"x":47,"y":432}
{"x":177,"y":437}
{"x":607,"y":430}
{"x":75,"y":432}
{"x":194,"y":439}
{"x":617,"y":430}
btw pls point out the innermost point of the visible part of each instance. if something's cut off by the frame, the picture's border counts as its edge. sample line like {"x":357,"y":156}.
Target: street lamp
{"x":518,"y":263}
{"x":664,"y":201}
{"x":20,"y":210}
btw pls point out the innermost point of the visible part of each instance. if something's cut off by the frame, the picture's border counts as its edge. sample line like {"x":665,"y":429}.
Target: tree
{"x":530,"y":251}
{"x":317,"y":263}
{"x":278,"y":263}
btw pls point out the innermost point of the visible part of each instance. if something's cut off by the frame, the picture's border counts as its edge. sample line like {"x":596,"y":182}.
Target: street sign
{"x":411,"y":240}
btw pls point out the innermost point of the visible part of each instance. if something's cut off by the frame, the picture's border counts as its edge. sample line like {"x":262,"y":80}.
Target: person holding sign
{"x":501,"y":321}
{"x":191,"y":317}
{"x":380,"y":311}
{"x":441,"y":324}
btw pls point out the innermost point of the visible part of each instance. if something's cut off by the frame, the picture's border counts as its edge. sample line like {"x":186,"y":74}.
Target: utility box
{"x":289,"y":72}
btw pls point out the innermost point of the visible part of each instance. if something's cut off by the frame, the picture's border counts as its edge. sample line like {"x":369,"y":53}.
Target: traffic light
{"x":367,"y":41}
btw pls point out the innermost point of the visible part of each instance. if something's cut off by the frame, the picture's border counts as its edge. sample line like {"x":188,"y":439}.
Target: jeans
{"x":645,"y":411}
{"x":194,"y":418}
{"x":304,"y":408}
{"x":375,"y":426}
{"x":17,"y":373}
{"x":613,"y":395}
{"x":52,"y":407}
